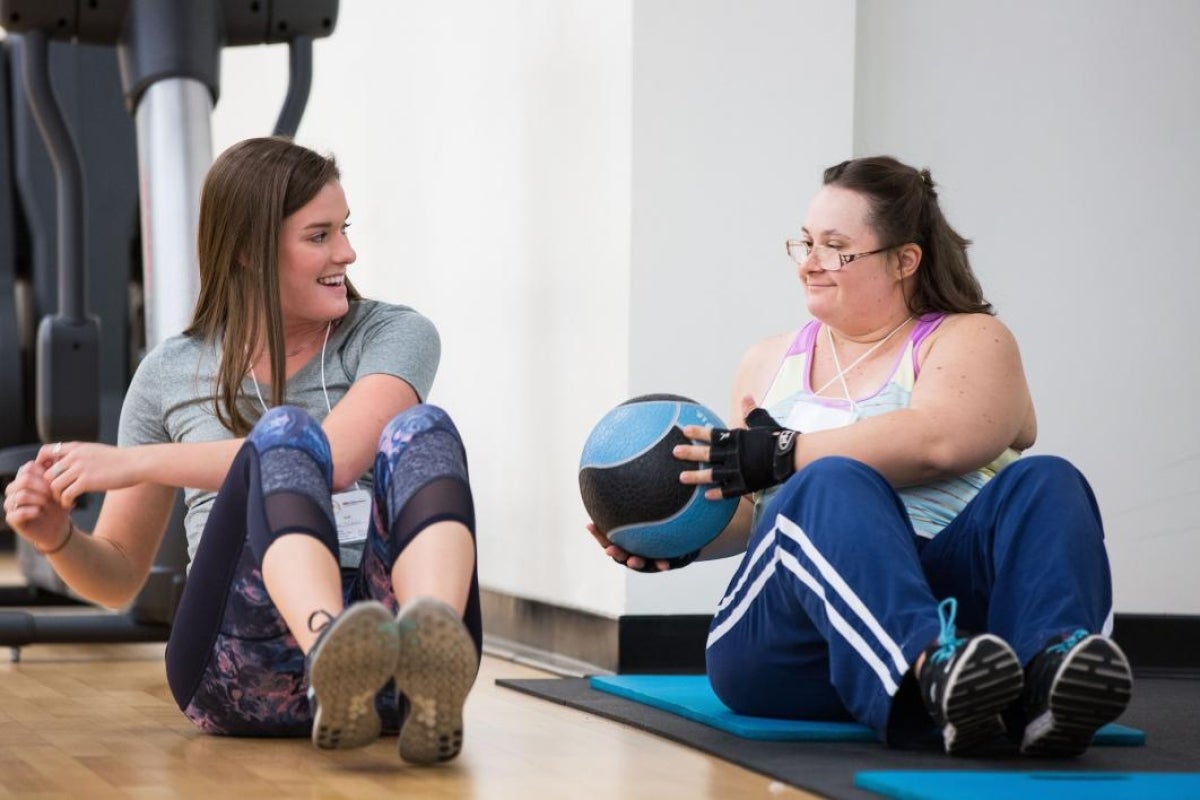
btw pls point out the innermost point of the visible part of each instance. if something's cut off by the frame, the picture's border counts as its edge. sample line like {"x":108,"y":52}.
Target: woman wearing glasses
{"x":903,"y":564}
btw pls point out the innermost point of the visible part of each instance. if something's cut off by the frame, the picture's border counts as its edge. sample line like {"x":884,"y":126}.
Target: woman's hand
{"x":703,"y":452}
{"x":636,"y":563}
{"x":76,"y":468}
{"x":31,"y":509}
{"x":697,"y":452}
{"x":755,"y":456}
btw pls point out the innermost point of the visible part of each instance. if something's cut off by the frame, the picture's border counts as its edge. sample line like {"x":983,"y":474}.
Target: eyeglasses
{"x":828,"y":259}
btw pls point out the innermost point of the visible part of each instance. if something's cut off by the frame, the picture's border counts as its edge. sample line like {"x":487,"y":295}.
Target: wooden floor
{"x":97,"y":721}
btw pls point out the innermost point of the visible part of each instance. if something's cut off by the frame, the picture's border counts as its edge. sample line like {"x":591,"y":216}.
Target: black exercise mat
{"x":1168,"y":710}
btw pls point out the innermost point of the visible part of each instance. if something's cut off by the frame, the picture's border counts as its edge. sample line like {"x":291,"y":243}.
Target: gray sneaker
{"x":434,"y":671}
{"x":351,"y":661}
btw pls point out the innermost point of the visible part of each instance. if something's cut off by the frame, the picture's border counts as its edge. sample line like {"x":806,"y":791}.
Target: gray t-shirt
{"x":170,"y":398}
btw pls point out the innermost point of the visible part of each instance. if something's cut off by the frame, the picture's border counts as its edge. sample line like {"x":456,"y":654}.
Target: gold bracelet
{"x":66,"y":540}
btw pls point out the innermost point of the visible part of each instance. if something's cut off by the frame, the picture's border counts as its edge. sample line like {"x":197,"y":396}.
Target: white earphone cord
{"x":324,"y":389}
{"x":841,"y":373}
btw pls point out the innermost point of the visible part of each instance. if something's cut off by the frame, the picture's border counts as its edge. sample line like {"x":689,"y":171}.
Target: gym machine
{"x":105,"y":118}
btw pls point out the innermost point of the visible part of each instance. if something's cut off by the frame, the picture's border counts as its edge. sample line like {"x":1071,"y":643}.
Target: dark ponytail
{"x":904,"y":208}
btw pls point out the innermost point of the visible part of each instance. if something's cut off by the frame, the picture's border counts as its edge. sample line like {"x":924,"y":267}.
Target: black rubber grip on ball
{"x":607,"y":491}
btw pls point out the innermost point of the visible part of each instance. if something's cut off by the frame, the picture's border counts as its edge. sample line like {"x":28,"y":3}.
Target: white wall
{"x":488,"y":178}
{"x":737,"y":108}
{"x":1064,"y":137}
{"x":590,"y":197}
{"x":492,"y":186}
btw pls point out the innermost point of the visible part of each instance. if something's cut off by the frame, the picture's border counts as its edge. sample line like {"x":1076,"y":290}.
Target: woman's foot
{"x":350,"y":662}
{"x":966,"y":683}
{"x":1073,"y":687}
{"x":435,"y":670}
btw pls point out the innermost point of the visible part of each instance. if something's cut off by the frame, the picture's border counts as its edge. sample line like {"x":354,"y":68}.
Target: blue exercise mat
{"x":904,"y":785}
{"x":692,"y":697}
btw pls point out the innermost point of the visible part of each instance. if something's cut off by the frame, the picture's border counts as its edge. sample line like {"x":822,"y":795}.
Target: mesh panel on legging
{"x":433,"y":453}
{"x":291,"y":512}
{"x":295,"y":498}
{"x":440,"y":499}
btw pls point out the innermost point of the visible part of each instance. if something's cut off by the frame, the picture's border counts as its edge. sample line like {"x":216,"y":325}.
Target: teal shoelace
{"x":947,"y":641}
{"x":1065,"y":645}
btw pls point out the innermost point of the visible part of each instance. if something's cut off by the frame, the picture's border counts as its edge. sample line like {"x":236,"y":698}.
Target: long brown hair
{"x":904,"y":208}
{"x":248,"y":192}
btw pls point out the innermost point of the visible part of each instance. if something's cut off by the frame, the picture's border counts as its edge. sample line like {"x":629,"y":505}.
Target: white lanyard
{"x":841,"y":373}
{"x":328,"y":408}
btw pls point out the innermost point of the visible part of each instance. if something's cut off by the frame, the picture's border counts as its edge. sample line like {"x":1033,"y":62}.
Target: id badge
{"x":813,"y":417}
{"x":352,"y":513}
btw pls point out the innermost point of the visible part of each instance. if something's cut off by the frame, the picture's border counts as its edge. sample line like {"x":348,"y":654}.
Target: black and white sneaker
{"x":353,"y":658}
{"x":967,"y":683}
{"x":1075,"y":686}
{"x":435,"y":670}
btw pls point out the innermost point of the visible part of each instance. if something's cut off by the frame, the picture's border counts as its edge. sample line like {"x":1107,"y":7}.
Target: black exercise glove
{"x":761,"y":418}
{"x":747,"y":460}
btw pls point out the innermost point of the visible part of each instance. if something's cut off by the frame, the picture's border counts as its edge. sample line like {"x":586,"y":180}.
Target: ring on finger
{"x":56,"y":470}
{"x":57,"y":448}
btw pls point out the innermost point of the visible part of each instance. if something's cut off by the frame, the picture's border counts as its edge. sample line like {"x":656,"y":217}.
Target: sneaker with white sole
{"x":435,"y":670}
{"x":966,"y":682}
{"x":1073,"y":687}
{"x":353,"y":658}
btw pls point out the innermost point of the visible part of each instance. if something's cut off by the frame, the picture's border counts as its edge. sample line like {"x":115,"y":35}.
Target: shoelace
{"x":319,"y":612}
{"x":947,"y":641}
{"x":1066,"y":644}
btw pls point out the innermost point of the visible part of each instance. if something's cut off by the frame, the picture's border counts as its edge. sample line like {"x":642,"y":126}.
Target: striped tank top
{"x":931,"y":506}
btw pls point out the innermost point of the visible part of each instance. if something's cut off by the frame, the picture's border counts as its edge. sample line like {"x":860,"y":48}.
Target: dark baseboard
{"x":662,"y":644}
{"x":1156,"y":644}
{"x":1160,"y":644}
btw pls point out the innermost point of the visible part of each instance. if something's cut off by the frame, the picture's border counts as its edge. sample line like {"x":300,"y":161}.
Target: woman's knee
{"x":418,"y":447}
{"x":425,"y":436}
{"x":1046,"y":476}
{"x":1047,"y":469}
{"x":289,"y":426}
{"x":413,"y":422}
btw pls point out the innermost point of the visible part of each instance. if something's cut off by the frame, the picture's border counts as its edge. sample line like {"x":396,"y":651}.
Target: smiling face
{"x":866,"y":292}
{"x":314,"y":254}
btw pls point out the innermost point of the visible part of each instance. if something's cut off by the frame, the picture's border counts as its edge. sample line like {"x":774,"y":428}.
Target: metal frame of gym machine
{"x":169,"y":57}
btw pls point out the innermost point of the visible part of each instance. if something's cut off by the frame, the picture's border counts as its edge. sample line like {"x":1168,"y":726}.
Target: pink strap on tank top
{"x":926,"y":324}
{"x":806,"y":337}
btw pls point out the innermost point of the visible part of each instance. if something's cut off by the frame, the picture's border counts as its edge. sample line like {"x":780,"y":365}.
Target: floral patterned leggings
{"x":232,"y":664}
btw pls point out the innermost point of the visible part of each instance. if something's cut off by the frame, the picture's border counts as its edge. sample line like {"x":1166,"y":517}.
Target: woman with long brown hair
{"x":330,"y":522}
